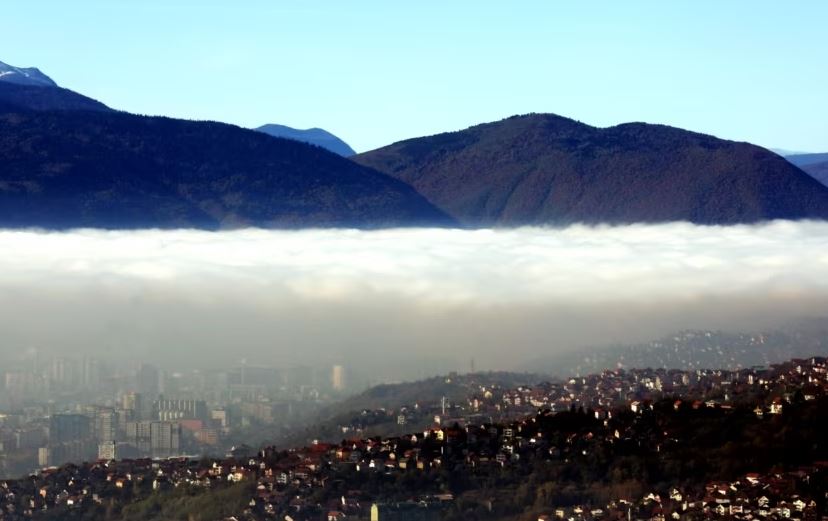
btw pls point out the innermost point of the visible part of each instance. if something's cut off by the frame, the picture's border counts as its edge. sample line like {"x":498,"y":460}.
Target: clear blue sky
{"x":375,"y":72}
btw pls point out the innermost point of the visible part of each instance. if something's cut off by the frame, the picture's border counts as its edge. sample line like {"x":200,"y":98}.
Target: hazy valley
{"x":439,"y":262}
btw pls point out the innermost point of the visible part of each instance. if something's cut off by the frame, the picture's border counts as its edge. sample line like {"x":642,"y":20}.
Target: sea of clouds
{"x":393,"y":298}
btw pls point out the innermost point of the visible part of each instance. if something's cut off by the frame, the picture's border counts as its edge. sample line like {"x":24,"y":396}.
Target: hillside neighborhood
{"x":588,"y":422}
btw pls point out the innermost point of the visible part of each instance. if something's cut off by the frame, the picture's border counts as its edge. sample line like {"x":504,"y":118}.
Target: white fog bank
{"x":387,"y":297}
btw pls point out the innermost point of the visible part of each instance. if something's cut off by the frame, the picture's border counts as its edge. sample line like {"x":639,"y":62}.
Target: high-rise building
{"x":44,"y":456}
{"x":165,"y":438}
{"x":156,"y":438}
{"x":70,"y":439}
{"x":338,"y":378}
{"x":106,"y":425}
{"x":138,"y":430}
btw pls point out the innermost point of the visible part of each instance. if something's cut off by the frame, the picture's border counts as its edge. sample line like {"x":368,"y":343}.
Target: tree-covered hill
{"x":541,"y":169}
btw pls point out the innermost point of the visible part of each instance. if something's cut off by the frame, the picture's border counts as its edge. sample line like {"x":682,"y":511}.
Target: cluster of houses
{"x":610,"y":389}
{"x":604,"y":392}
{"x":754,"y":497}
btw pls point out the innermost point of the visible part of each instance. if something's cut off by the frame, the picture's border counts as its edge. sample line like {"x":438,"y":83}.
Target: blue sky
{"x":375,"y":72}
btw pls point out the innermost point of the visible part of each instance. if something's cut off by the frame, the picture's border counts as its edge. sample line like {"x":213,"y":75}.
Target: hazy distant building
{"x":338,"y":378}
{"x":299,"y":376}
{"x":207,"y":436}
{"x":29,"y":438}
{"x":173,"y":409}
{"x":122,"y":416}
{"x":63,"y":373}
{"x":140,"y":405}
{"x":130,"y":401}
{"x":267,"y":412}
{"x":22,"y":384}
{"x":68,"y":427}
{"x":268,"y":377}
{"x":90,"y":374}
{"x":221,"y":417}
{"x":148,"y":381}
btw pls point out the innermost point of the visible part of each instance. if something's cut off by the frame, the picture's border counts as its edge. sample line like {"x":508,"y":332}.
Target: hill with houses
{"x":747,"y":444}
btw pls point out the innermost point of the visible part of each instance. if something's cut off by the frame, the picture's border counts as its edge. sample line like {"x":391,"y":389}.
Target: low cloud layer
{"x":424,"y":298}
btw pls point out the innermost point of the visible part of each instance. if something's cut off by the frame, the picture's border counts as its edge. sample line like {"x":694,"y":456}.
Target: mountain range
{"x":71,"y":161}
{"x":314,"y":136}
{"x":541,"y":169}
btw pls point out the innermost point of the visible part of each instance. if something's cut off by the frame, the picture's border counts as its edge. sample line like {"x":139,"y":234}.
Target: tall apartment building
{"x":106,"y":425}
{"x":156,"y":438}
{"x":338,"y":378}
{"x":165,"y":438}
{"x":138,"y":434}
{"x":70,"y":439}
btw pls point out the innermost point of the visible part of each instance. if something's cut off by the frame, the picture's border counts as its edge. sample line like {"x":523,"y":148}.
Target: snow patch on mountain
{"x":25,"y":76}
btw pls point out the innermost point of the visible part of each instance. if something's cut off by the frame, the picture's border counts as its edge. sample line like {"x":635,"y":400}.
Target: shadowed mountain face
{"x":814,"y":164}
{"x":313,"y":136}
{"x":14,"y":96}
{"x":801,"y":160}
{"x":68,"y":161}
{"x":546,"y":169}
{"x":818,"y":171}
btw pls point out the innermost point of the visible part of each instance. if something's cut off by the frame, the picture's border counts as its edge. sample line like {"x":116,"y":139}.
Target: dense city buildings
{"x":62,"y":409}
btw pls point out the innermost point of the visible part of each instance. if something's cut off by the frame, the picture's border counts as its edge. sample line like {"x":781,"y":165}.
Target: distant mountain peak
{"x":314,"y":136}
{"x":25,"y":76}
{"x":785,"y":152}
